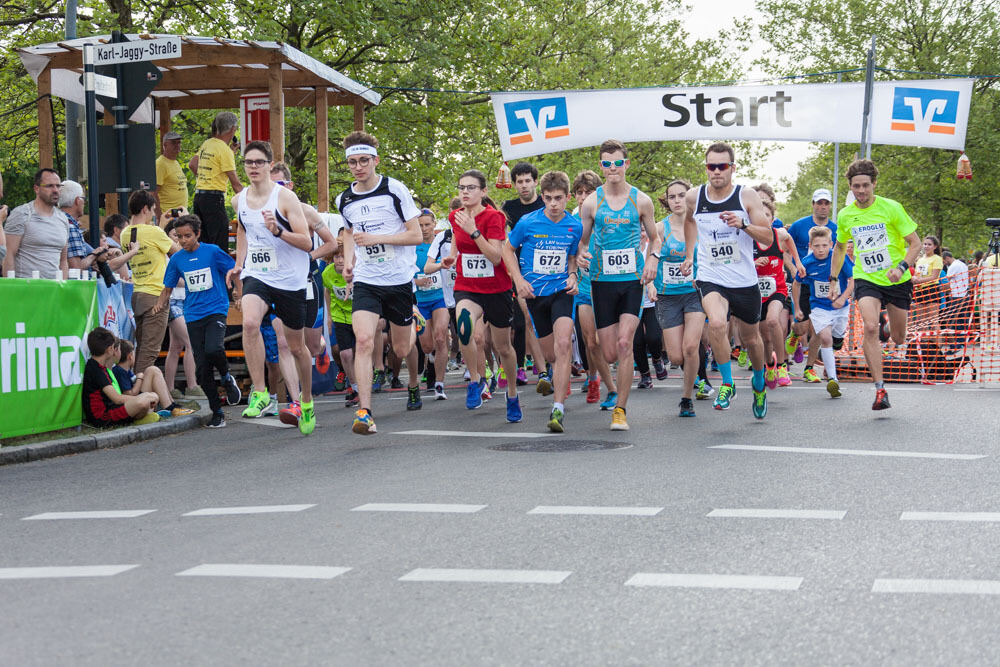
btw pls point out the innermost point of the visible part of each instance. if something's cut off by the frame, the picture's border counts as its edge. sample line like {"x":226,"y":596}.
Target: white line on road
{"x":109,"y":514}
{"x":475,"y":434}
{"x":596,"y":511}
{"x":487,"y":576}
{"x":945,"y":586}
{"x":851,"y":452}
{"x":265,"y":421}
{"x":777,"y":514}
{"x":911,"y":388}
{"x":63,"y":572}
{"x":739,"y":581}
{"x":264,"y":571}
{"x":949,"y":516}
{"x":260,"y":509}
{"x":418,"y":507}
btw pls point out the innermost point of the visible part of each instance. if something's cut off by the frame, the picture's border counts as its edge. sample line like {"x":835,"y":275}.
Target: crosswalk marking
{"x":596,"y":511}
{"x":851,"y":452}
{"x":63,"y":572}
{"x":264,"y":571}
{"x":777,"y":514}
{"x":418,"y":507}
{"x":487,"y":576}
{"x":736,"y":581}
{"x":108,"y":514}
{"x":949,"y":516}
{"x":938,"y":586}
{"x":258,"y":509}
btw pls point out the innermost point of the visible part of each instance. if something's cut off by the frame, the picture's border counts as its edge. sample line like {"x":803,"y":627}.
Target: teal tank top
{"x":616,"y":256}
{"x":669,"y":279}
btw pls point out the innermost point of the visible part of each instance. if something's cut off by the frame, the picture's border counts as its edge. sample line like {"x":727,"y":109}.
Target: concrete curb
{"x":117,"y":438}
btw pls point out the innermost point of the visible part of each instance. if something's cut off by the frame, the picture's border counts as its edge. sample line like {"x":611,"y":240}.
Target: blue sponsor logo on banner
{"x":536,"y":120}
{"x":924,"y":110}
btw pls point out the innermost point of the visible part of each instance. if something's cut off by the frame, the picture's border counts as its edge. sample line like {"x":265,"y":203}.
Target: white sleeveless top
{"x":725,"y":254}
{"x":271,"y":260}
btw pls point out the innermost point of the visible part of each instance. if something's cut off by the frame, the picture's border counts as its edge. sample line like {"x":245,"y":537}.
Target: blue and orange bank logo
{"x":924,"y":110}
{"x":536,"y":120}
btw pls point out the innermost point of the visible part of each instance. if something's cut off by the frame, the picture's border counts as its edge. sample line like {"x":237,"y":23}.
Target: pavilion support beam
{"x":359,"y":115}
{"x":276,"y":105}
{"x":163,"y":107}
{"x":44,"y":106}
{"x":322,"y":152}
{"x":110,"y":197}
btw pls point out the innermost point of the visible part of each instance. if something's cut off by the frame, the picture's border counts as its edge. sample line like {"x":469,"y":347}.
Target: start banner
{"x":43,"y":334}
{"x":930,"y":113}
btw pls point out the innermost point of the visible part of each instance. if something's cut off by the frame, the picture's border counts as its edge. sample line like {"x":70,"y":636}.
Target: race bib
{"x":377,"y":254}
{"x":199,"y":280}
{"x":672,"y":275}
{"x":435,"y":282}
{"x":618,"y":262}
{"x":871,"y":244}
{"x":452,"y":277}
{"x":875,"y":261}
{"x":724,"y":252}
{"x":549,"y":262}
{"x":341,"y":293}
{"x":767,"y":286}
{"x":923,"y":269}
{"x":262,"y":258}
{"x":821,"y":289}
{"x":476,"y":266}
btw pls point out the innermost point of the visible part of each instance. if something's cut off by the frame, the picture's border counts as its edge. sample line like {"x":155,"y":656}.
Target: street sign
{"x":106,"y":86}
{"x":138,"y":51}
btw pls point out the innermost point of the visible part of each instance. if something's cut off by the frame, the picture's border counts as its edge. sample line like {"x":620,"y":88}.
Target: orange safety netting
{"x":952,"y":335}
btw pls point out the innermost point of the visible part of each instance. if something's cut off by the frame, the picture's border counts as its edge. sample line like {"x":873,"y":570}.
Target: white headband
{"x":360,"y":149}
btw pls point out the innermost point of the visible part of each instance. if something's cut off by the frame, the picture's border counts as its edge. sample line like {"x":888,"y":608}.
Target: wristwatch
{"x":281,"y":230}
{"x":903,"y":266}
{"x":475,"y":235}
{"x":744,"y":224}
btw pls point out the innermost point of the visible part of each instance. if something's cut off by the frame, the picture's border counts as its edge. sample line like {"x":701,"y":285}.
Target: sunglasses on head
{"x":718,"y":166}
{"x":426,"y":211}
{"x":607,"y":164}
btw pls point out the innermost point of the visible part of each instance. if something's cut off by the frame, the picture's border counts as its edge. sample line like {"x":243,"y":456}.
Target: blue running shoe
{"x":513,"y":410}
{"x":609,"y":402}
{"x":686,"y":408}
{"x":474,"y":396}
{"x":759,"y":403}
{"x":726,"y":394}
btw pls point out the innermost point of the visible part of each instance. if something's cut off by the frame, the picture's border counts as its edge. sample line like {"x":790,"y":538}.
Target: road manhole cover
{"x":560,"y":445}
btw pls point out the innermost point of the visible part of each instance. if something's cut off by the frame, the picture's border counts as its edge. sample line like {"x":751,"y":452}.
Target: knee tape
{"x":464,"y":326}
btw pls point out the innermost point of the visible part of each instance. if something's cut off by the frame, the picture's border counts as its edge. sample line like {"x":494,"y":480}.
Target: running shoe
{"x":556,"y":421}
{"x":452,"y":365}
{"x":686,"y":408}
{"x":413,"y":400}
{"x":272,"y":407}
{"x":809,"y":375}
{"x":195,"y":392}
{"x":258,"y":401}
{"x":535,"y":370}
{"x":377,"y":381}
{"x":618,"y":422}
{"x":661,"y":370}
{"x":703,"y":390}
{"x":484,"y":390}
{"x":544,"y":386}
{"x":364,"y":423}
{"x":725,"y":396}
{"x":799,"y":355}
{"x":180,"y":412}
{"x":734,"y":353}
{"x":233,"y":393}
{"x":513,"y":410}
{"x":502,"y":381}
{"x":176,"y":394}
{"x":323,"y":363}
{"x":308,"y":422}
{"x":645,"y":381}
{"x":881,"y":400}
{"x":522,"y":377}
{"x":771,"y":377}
{"x":493,"y":384}
{"x":340,"y":383}
{"x":395,"y":382}
{"x":791,"y":344}
{"x":466,"y":375}
{"x":783,"y":379}
{"x":593,"y":391}
{"x":609,"y":401}
{"x":148,"y":418}
{"x":351,"y":399}
{"x":218,"y":420}
{"x":164,"y":414}
{"x":439,"y":394}
{"x":292,"y":414}
{"x":759,"y":403}
{"x":576,"y":370}
{"x":833,"y":388}
{"x":474,"y":396}
{"x":489,"y":372}
{"x":743,"y":359}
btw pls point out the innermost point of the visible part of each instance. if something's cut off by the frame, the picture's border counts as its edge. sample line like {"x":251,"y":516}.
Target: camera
{"x":175,"y":213}
{"x":993,"y":222}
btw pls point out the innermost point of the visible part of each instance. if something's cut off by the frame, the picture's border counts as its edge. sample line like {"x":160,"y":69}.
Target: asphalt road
{"x":867,"y":538}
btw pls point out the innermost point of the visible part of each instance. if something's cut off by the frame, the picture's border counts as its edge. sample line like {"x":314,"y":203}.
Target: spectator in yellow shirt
{"x":215,"y":167}
{"x":171,"y":183}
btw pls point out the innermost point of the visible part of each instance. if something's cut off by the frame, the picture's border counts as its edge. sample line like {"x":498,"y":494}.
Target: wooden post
{"x":163,"y":107}
{"x":359,"y":114}
{"x":110,"y":197}
{"x":322,"y":152}
{"x":44,"y":106}
{"x":276,"y":103}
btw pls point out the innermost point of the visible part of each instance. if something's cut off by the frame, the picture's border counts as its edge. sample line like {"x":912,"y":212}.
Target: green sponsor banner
{"x":43,"y":334}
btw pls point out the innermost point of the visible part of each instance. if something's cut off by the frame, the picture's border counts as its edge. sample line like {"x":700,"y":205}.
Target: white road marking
{"x":777,"y":514}
{"x":63,"y":572}
{"x":109,"y":514}
{"x":949,"y":516}
{"x":851,"y":452}
{"x":264,"y":571}
{"x":738,"y":581}
{"x":476,"y":434}
{"x":265,"y":421}
{"x":259,"y":509}
{"x":941,"y":586}
{"x":977,"y":389}
{"x":596,"y":511}
{"x":418,"y":507}
{"x":487,"y":576}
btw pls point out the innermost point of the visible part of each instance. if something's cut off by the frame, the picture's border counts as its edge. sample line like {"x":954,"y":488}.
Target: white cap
{"x":822,"y":193}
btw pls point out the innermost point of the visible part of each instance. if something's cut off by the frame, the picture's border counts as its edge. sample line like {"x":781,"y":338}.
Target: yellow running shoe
{"x":618,"y":422}
{"x":808,"y":375}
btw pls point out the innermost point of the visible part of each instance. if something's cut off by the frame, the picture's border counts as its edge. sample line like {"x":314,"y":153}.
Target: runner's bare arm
{"x":785,"y":239}
{"x":690,"y":230}
{"x":759,"y":228}
{"x":290,"y":207}
{"x":329,"y":245}
{"x":514,"y":269}
{"x":232,"y":276}
{"x":647,"y":217}
{"x":587,"y":211}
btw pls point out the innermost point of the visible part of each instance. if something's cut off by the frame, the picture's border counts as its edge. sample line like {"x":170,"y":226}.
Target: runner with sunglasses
{"x":614,"y":214}
{"x":723,"y":221}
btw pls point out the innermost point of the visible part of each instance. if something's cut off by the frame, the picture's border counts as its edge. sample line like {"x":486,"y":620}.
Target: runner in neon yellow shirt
{"x":886,"y":244}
